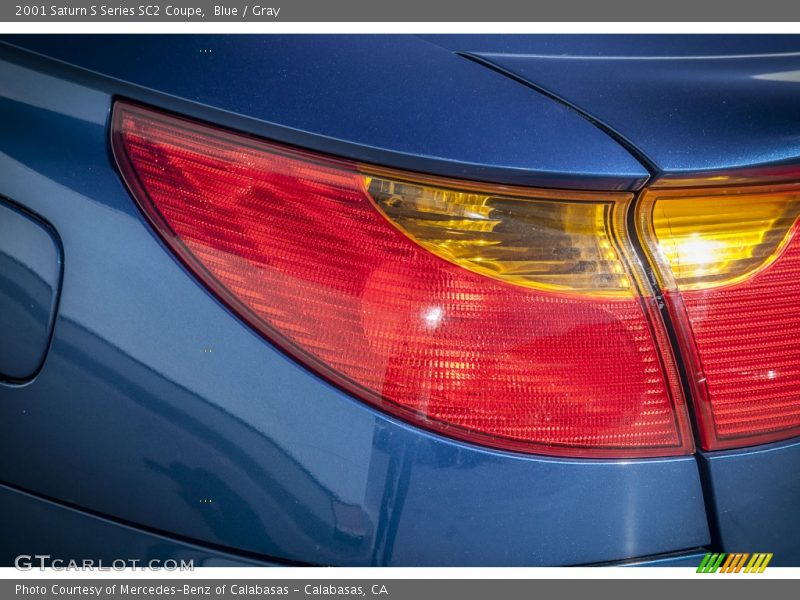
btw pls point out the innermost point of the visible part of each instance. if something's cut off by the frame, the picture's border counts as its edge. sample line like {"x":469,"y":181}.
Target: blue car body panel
{"x":685,"y":115}
{"x":390,"y":100}
{"x":158,"y":407}
{"x":30,"y":520}
{"x":604,"y":45}
{"x":30,"y":276}
{"x":755,"y":494}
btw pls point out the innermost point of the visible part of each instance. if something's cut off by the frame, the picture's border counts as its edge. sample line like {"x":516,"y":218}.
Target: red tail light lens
{"x":730,"y":263}
{"x":513,"y":318}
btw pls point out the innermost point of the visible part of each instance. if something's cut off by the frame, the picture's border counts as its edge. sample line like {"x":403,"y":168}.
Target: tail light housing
{"x":728,"y":260}
{"x":516,"y":318}
{"x":510,"y":317}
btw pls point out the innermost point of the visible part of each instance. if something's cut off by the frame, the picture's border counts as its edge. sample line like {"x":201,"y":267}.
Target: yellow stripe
{"x":759,"y":560}
{"x":766,"y":562}
{"x":750,"y":564}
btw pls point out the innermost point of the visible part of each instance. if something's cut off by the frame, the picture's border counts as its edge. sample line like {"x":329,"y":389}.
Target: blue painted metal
{"x":27,"y":517}
{"x":684,"y":114}
{"x":33,"y":525}
{"x":30,"y":274}
{"x":689,"y":558}
{"x":604,"y":45}
{"x":393,"y":100}
{"x":159,"y":407}
{"x":756,"y":498}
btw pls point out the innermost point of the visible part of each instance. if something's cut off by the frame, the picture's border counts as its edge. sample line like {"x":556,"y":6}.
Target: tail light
{"x":515,"y":318}
{"x":729,"y":262}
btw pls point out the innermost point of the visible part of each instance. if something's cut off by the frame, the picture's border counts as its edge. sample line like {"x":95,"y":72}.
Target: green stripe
{"x":710,"y":565}
{"x":703,"y":564}
{"x":718,"y":563}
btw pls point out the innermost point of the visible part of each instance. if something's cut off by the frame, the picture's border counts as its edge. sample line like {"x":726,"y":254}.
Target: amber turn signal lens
{"x":550,"y":241}
{"x":712,"y":240}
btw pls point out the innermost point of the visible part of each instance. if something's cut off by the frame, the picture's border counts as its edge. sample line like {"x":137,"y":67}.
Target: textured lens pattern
{"x":294,"y":243}
{"x":742,"y":332}
{"x":543,"y":243}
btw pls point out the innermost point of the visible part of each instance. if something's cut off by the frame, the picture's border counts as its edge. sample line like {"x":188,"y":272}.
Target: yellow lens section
{"x":547,"y":243}
{"x":715,"y":239}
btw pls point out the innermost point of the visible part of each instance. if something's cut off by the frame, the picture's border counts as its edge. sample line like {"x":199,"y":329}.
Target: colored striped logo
{"x":734,"y":563}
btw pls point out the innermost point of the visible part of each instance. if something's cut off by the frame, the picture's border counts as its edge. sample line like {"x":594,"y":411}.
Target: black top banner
{"x":407,"y":11}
